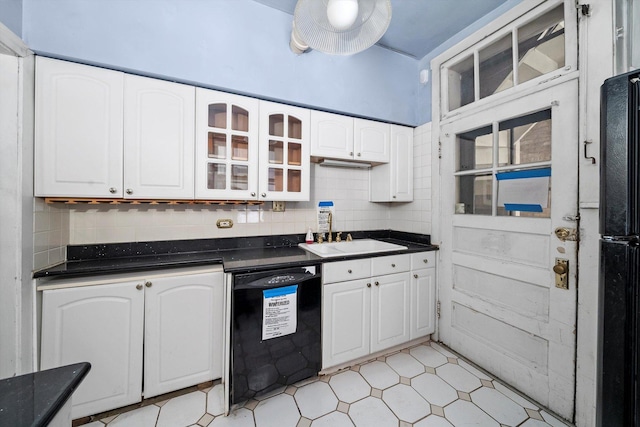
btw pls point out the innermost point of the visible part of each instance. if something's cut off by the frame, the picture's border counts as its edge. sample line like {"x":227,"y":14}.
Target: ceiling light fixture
{"x":339,"y":27}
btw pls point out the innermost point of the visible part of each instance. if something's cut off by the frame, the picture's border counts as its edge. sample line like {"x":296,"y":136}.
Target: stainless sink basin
{"x":355,"y":247}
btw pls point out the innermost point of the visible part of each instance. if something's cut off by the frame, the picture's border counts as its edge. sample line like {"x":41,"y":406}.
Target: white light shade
{"x":342,"y":13}
{"x":314,"y":28}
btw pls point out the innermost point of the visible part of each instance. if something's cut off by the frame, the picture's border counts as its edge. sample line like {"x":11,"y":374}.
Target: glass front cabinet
{"x":284,"y":152}
{"x":249,"y":149}
{"x":226,"y":146}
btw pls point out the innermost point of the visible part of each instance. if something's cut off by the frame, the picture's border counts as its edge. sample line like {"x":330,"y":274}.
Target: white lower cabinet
{"x":423,"y":294}
{"x":176,"y":318}
{"x":368,"y":314}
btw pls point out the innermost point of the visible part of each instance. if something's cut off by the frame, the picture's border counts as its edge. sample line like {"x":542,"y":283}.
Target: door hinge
{"x":585,"y":9}
{"x":438,"y":309}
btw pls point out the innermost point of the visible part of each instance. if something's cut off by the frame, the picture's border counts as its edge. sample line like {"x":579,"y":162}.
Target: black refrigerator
{"x":619,"y":310}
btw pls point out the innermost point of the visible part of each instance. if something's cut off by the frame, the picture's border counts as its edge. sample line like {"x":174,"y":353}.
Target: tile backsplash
{"x":347,"y":188}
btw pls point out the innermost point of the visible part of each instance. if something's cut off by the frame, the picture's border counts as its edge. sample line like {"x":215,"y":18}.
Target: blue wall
{"x":11,"y":15}
{"x":237,"y":45}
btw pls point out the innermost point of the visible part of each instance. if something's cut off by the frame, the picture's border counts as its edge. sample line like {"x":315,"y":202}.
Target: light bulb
{"x":342,"y":13}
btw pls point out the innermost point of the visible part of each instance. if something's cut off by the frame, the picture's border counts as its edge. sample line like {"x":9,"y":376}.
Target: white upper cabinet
{"x":284,"y":152}
{"x":371,"y":141}
{"x":159,"y":119}
{"x":101,"y":133}
{"x":393,"y":182}
{"x":347,"y":138}
{"x":226,"y":146}
{"x":78,"y":130}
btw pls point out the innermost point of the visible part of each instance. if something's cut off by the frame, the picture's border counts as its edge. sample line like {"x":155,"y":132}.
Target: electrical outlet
{"x":224,"y":223}
{"x":278,"y":206}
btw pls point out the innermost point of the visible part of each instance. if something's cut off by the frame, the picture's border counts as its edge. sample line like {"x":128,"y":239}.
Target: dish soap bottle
{"x":309,"y":237}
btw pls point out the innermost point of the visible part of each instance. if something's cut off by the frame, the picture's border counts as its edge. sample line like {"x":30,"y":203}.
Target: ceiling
{"x":419,"y":26}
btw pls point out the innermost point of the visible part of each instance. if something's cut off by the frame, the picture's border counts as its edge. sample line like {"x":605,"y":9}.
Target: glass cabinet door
{"x":228,"y":126}
{"x":284,"y":156}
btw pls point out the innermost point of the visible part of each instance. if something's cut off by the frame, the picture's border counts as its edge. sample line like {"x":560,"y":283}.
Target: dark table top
{"x":34,"y":399}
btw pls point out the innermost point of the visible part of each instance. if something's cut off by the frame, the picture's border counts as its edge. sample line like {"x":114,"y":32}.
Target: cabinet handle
{"x":129,"y":191}
{"x":415,"y":276}
{"x":368,"y":285}
{"x":377,"y":283}
{"x":253,"y":194}
{"x":113,"y":190}
{"x":139,"y":286}
{"x":263,"y":195}
{"x":425,"y":261}
{"x":148,"y":284}
{"x":349,"y":271}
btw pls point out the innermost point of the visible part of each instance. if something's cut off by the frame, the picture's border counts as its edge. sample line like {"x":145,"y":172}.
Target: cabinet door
{"x":423,"y":302}
{"x":390,"y":311}
{"x":331,"y":135}
{"x":183,"y":331}
{"x":158,"y":139}
{"x":102,"y":325}
{"x":226,"y":146}
{"x":393,"y":182}
{"x":78,"y":130}
{"x":284,"y":152}
{"x":371,"y":141}
{"x":346,"y":327}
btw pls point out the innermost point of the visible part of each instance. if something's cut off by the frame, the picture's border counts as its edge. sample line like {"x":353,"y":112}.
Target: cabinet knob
{"x":377,"y":283}
{"x":139,"y":287}
{"x":129,"y":191}
{"x":415,"y":276}
{"x":263,"y":195}
{"x":393,"y":265}
{"x":148,"y":284}
{"x":349,"y":271}
{"x":359,"y":154}
{"x":394,"y":197}
{"x":113,"y":190}
{"x":426,"y":261}
{"x":253,"y":194}
{"x":351,"y":153}
{"x":368,"y":285}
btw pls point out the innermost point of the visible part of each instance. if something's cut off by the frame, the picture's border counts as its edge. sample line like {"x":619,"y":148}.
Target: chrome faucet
{"x":330,"y":219}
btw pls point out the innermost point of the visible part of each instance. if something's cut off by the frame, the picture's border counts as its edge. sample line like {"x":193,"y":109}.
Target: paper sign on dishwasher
{"x":279,"y":312}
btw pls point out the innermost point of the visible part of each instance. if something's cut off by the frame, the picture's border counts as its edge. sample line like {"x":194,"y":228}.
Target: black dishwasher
{"x":275,"y":331}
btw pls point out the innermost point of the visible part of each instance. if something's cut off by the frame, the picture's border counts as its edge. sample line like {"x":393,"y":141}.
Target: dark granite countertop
{"x":35,"y":399}
{"x":241,"y":254}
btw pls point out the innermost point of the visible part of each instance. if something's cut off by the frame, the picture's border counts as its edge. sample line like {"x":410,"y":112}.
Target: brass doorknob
{"x":560,"y":269}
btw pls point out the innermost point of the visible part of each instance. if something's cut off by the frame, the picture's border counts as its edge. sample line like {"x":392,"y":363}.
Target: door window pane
{"x":239,"y":177}
{"x":525,"y":139}
{"x":475,"y":149}
{"x":275,"y":179}
{"x":295,"y":128}
{"x":474,"y":194}
{"x":218,"y":116}
{"x":294,"y":181}
{"x":216,"y":176}
{"x":294,"y":154}
{"x":496,"y":67}
{"x":461,"y":83}
{"x":276,"y":125}
{"x":217,"y":145}
{"x":541,"y":45}
{"x":275,"y":152}
{"x":239,"y":119}
{"x":239,"y":147}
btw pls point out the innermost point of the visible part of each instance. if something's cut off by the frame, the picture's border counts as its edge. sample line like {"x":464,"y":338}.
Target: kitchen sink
{"x":354,"y":247}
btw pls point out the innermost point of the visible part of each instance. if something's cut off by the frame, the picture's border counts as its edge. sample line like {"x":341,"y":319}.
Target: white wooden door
{"x":159,"y":121}
{"x":102,"y":325}
{"x":183,"y":331}
{"x":78,"y":130}
{"x":284,"y":171}
{"x":371,"y":141}
{"x":390,"y":310}
{"x":226,"y":157}
{"x":331,"y":135}
{"x":346,"y":324}
{"x":499,"y":302}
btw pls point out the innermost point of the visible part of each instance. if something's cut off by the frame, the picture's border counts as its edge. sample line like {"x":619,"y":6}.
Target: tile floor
{"x":422,"y":386}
